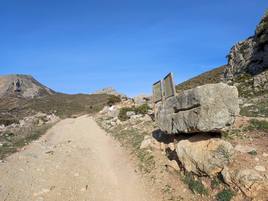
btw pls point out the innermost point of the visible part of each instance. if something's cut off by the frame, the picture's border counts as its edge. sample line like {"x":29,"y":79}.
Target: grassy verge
{"x":142,"y":109}
{"x":258,"y":125}
{"x":132,"y":139}
{"x":259,"y":109}
{"x":12,"y":142}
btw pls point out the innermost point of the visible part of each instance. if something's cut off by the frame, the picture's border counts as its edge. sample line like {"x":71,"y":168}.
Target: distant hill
{"x":22,"y":95}
{"x":110,"y":91}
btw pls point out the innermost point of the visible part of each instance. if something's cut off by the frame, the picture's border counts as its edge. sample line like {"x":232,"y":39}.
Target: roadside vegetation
{"x":13,"y":109}
{"x":194,"y":184}
{"x":225,"y":195}
{"x":258,"y":109}
{"x":143,"y":109}
{"x":259,"y":125}
{"x":132,"y":139}
{"x":11,"y":142}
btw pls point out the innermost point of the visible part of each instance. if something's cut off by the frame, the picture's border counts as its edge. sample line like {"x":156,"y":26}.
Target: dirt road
{"x":73,"y":161}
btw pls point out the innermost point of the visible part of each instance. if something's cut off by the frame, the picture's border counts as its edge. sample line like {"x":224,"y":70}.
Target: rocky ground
{"x":195,"y":145}
{"x":208,"y":166}
{"x":75,"y":160}
{"x":15,"y":136}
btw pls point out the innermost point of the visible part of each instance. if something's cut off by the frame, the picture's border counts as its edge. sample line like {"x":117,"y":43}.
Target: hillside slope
{"x":210,"y":77}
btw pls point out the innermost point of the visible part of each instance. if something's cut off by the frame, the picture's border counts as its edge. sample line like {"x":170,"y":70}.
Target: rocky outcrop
{"x":250,"y":57}
{"x":204,"y":156}
{"x":22,"y":85}
{"x":205,"y":108}
{"x":110,"y":91}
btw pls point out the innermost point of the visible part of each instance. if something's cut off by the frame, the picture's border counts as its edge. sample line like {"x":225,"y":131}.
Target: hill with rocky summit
{"x":247,"y":66}
{"x":24,"y":86}
{"x":110,"y":91}
{"x":22,"y":95}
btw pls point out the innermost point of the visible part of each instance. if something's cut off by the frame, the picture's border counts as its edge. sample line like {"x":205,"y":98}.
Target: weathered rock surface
{"x":112,"y":111}
{"x":204,"y":156}
{"x":248,"y":62}
{"x":22,"y":85}
{"x":250,"y":56}
{"x":251,"y":183}
{"x":206,"y":108}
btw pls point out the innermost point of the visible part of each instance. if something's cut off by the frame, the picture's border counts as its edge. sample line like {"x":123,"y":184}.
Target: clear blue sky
{"x":77,"y":46}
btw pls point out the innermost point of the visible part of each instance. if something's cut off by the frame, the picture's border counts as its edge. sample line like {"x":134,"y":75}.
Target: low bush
{"x":143,"y":109}
{"x":113,"y":100}
{"x":123,"y":113}
{"x":258,"y":125}
{"x":195,"y":186}
{"x":225,"y":195}
{"x":215,"y":183}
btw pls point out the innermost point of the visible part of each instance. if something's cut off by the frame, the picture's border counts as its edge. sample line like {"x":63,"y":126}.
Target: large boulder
{"x":207,"y":108}
{"x":204,"y":156}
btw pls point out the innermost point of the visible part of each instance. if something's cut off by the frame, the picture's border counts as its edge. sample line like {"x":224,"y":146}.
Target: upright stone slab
{"x":206,"y":108}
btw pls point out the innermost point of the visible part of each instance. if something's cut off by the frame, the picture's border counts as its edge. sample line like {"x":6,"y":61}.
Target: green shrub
{"x":225,"y":195}
{"x":215,"y":183}
{"x":195,"y":186}
{"x":143,"y":109}
{"x":258,"y":125}
{"x":123,"y":113}
{"x":113,"y":99}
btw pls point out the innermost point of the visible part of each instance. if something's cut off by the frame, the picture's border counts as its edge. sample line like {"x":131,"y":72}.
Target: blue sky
{"x":78,"y":46}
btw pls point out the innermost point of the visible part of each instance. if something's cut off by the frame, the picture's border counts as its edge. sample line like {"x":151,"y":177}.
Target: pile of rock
{"x":110,"y":115}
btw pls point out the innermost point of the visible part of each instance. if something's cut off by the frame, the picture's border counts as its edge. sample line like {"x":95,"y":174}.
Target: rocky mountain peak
{"x":22,"y":86}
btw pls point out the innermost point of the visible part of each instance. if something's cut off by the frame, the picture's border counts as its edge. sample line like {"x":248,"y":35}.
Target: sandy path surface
{"x":74,"y":161}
